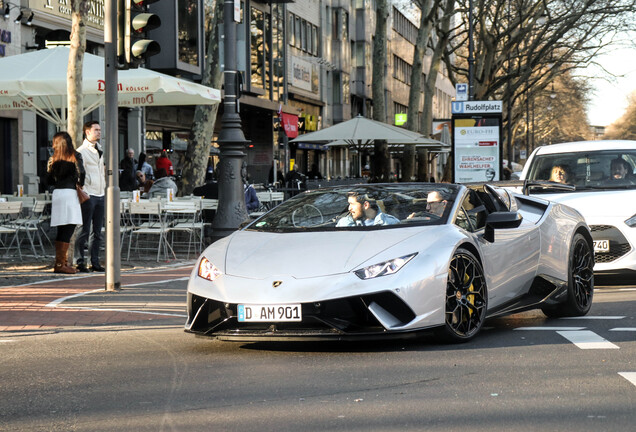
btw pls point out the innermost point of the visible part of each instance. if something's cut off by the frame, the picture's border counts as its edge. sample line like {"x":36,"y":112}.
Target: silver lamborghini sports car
{"x":377,"y":260}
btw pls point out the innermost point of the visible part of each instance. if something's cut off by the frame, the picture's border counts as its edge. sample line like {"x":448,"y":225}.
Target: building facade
{"x":304,"y":58}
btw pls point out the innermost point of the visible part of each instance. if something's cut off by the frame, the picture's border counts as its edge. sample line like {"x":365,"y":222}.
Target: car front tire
{"x":580,"y":282}
{"x":466,"y":298}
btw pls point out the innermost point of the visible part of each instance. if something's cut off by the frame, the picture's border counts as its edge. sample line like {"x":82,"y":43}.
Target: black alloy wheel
{"x":580,"y":281}
{"x":466,"y":297}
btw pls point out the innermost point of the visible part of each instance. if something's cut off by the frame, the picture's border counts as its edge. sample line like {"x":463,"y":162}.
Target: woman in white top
{"x":65,"y":171}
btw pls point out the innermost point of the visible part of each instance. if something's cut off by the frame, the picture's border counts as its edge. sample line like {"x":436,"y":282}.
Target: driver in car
{"x":364,"y":211}
{"x":559,"y":174}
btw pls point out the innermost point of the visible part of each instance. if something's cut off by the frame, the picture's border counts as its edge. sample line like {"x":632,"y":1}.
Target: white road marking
{"x":58,"y":303}
{"x":6,"y":341}
{"x":157,"y":282}
{"x":123,"y":310}
{"x":623,"y":329}
{"x":592,"y":317}
{"x":629,"y":376}
{"x":586,"y":339}
{"x":550,"y":328}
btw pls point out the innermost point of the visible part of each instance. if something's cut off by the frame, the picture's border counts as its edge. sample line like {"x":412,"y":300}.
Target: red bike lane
{"x":33,"y":306}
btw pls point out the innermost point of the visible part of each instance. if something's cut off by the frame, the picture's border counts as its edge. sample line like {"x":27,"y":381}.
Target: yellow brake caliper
{"x":471,"y":297}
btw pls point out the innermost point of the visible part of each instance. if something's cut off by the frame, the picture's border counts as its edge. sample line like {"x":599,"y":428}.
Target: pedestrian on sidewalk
{"x":128,"y":165}
{"x":93,"y":210}
{"x":164,"y":162}
{"x":64,"y":172}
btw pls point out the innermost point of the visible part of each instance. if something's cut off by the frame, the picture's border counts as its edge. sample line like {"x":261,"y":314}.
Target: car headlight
{"x":384,"y":268}
{"x":631,"y":222}
{"x":208,"y":271}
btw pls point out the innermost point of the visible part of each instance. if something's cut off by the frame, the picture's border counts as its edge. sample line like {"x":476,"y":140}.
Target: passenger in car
{"x":364,"y":211}
{"x":435,"y":205}
{"x":620,"y":169}
{"x":559,"y":174}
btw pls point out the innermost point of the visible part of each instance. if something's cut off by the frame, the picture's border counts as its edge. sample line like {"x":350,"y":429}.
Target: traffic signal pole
{"x":113,"y":256}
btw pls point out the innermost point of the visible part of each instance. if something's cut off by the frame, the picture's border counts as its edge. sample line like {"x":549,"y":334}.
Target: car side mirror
{"x":501,"y":220}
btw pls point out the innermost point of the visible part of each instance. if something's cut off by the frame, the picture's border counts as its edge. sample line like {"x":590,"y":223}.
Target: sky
{"x":609,"y":102}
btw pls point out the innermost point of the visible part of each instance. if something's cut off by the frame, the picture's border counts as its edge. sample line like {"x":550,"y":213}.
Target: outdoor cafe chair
{"x":30,"y":225}
{"x":148,"y":220}
{"x":9,"y":213}
{"x":184,"y":219}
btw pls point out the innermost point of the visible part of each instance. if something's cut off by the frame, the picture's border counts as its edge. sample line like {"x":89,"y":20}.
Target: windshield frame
{"x":320,"y":210}
{"x":586,"y":170}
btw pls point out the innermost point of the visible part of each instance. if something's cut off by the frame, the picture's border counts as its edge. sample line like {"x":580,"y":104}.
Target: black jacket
{"x":66,"y":175}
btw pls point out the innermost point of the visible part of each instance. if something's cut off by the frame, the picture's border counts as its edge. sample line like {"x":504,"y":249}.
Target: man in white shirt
{"x":364,"y":211}
{"x":92,"y":210}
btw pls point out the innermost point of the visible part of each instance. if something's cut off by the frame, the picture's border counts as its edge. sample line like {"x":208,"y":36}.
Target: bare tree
{"x":522,"y":46}
{"x":381,"y":158}
{"x":440,"y":44}
{"x":196,"y":157}
{"x":74,"y":71}
{"x":624,"y":127}
{"x":427,"y":16}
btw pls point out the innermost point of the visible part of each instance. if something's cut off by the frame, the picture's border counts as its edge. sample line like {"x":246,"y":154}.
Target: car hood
{"x":598,"y":204}
{"x":260,"y":255}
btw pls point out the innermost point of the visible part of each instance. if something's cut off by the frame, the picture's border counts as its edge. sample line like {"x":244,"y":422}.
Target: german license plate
{"x":601,"y":246}
{"x":270,"y":313}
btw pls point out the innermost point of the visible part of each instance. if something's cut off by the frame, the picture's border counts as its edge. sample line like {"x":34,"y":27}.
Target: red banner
{"x":290,"y":124}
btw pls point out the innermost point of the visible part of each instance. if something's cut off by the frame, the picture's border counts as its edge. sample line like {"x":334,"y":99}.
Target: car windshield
{"x":361,"y":207}
{"x":606,"y":169}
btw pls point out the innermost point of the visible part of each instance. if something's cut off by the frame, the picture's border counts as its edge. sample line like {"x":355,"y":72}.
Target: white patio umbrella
{"x":359,"y":130}
{"x":37,"y":81}
{"x":360,"y":133}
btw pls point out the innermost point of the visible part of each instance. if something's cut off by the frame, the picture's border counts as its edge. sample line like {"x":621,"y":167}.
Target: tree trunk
{"x":74,"y":89}
{"x":431,"y":79}
{"x":415,"y":94}
{"x":381,"y":158}
{"x":198,"y":152}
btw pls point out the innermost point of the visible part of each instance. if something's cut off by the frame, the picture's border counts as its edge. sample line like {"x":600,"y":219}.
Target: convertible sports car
{"x":376,"y":260}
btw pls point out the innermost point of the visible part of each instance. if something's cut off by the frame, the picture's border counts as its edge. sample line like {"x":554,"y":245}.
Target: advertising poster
{"x":476,"y":141}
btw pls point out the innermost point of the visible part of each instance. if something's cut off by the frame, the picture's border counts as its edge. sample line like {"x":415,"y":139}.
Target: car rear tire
{"x":580,"y":282}
{"x":466,"y":298}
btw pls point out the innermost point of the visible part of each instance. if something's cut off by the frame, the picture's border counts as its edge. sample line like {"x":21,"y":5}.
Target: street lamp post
{"x":113,"y":256}
{"x":231,"y":210}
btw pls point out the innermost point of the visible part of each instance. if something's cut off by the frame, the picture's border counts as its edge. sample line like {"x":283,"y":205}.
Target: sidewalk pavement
{"x":29,"y":269}
{"x":33,"y":298}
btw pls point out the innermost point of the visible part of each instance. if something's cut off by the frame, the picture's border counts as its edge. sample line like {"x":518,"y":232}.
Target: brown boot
{"x":61,"y":266}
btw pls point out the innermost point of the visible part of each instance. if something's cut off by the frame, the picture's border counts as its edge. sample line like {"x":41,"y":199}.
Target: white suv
{"x":605,"y":194}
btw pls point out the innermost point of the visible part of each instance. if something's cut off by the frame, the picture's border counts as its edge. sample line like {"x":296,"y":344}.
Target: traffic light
{"x":134,"y":22}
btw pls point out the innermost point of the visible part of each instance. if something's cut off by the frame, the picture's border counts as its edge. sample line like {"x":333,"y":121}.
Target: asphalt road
{"x":523,"y":372}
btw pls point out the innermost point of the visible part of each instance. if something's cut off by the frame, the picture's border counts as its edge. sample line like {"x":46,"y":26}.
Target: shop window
{"x":188,"y":32}
{"x":290,"y":29}
{"x":260,"y":32}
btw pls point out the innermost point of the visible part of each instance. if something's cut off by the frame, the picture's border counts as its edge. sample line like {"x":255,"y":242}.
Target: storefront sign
{"x":303,"y":74}
{"x":290,"y":124}
{"x":63,"y":8}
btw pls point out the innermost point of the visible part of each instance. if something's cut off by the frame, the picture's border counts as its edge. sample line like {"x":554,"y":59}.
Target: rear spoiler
{"x":526,"y":185}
